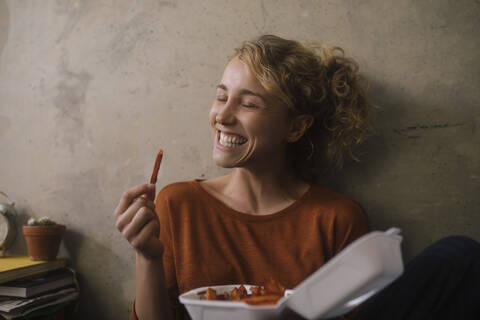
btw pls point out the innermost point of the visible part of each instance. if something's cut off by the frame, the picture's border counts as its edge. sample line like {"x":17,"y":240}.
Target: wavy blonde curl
{"x":316,"y":81}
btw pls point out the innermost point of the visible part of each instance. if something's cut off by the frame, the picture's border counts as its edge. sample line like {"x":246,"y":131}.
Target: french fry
{"x":242,"y":292}
{"x":235,"y":294}
{"x":257,"y":291}
{"x":261,"y":295}
{"x":156,"y":167}
{"x":211,"y":294}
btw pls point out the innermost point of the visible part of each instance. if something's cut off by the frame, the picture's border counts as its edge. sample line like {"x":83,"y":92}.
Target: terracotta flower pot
{"x":43,"y":242}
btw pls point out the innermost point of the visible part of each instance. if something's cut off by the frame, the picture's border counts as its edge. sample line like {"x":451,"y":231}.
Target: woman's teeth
{"x":231,"y":140}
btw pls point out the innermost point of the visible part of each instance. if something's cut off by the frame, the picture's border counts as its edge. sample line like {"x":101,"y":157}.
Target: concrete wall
{"x":90,"y":89}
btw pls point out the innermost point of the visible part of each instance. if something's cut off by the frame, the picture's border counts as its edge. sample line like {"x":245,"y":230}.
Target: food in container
{"x":359,"y":271}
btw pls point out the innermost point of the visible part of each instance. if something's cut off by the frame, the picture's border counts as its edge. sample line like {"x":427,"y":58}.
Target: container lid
{"x":359,"y":271}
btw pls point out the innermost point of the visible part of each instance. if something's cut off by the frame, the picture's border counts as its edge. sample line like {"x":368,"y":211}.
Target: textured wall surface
{"x":90,"y":89}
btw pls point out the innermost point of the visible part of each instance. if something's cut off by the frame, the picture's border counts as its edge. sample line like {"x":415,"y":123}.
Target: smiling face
{"x":249,"y":126}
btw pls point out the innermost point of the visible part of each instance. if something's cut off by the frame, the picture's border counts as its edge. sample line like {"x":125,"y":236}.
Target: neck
{"x":264,"y":187}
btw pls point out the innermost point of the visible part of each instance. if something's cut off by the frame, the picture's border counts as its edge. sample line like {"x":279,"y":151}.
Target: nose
{"x":225,"y":114}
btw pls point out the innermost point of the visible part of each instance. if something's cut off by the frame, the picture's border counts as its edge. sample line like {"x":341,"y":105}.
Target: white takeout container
{"x":363,"y":268}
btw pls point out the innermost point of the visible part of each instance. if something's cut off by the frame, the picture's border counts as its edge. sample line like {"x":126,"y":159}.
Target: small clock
{"x":8,"y":229}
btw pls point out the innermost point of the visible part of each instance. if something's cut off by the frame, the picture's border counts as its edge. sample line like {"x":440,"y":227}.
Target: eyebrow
{"x":242,"y":91}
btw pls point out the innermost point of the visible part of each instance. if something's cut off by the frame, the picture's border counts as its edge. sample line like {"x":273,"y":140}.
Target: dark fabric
{"x":442,"y":282}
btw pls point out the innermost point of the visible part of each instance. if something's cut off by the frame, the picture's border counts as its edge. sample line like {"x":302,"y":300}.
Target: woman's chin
{"x":224,"y":161}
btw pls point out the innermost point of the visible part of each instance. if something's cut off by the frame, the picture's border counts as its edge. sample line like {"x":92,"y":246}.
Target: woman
{"x":280,"y":108}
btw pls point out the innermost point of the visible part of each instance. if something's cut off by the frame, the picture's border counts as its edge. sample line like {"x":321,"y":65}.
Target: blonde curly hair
{"x":316,"y":81}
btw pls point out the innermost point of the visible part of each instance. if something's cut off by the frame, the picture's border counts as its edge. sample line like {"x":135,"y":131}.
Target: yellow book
{"x":17,"y":267}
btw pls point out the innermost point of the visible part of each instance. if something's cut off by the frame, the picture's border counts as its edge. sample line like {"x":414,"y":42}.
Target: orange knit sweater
{"x":208,"y":243}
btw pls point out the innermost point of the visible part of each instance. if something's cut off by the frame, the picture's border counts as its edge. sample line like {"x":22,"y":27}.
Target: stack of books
{"x":28,"y":286}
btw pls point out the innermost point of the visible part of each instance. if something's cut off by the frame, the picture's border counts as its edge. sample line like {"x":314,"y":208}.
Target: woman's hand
{"x":137,"y":221}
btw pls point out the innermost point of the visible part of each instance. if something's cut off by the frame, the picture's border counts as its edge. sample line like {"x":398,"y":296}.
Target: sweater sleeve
{"x":351,"y":222}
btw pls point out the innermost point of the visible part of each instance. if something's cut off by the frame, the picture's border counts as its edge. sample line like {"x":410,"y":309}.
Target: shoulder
{"x":343,"y":219}
{"x":178,"y":190}
{"x":336,"y":204}
{"x":175,"y":187}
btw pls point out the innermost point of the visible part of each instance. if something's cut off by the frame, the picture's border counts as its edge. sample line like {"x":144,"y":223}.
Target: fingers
{"x":133,"y":193}
{"x":141,"y":218}
{"x":149,"y":231}
{"x":142,"y":228}
{"x":128,"y":215}
{"x":137,"y":221}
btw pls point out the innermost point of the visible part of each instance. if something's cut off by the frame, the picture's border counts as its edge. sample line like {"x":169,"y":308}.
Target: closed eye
{"x":250,"y":105}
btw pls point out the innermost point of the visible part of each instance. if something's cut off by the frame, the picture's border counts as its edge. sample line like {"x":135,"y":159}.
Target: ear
{"x":299,"y":125}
